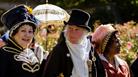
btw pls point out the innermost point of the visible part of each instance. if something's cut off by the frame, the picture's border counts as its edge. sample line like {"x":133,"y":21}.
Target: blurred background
{"x":117,"y":11}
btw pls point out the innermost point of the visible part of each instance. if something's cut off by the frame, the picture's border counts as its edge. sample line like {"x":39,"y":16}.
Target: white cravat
{"x":79,"y":54}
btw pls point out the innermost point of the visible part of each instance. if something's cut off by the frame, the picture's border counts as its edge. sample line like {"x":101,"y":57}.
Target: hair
{"x":30,"y":24}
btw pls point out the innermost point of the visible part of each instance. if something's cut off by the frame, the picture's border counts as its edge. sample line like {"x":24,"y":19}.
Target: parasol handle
{"x":46,"y":1}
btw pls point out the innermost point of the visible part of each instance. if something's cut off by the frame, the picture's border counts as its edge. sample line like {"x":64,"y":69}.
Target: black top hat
{"x":79,"y":18}
{"x":18,"y":15}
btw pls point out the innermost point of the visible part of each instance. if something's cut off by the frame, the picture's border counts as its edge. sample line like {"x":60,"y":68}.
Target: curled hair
{"x":17,"y":29}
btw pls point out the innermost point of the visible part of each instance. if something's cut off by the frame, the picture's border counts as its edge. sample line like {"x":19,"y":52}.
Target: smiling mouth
{"x":26,"y":40}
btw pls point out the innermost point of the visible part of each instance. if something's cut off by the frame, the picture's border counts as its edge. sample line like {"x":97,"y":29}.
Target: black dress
{"x":15,"y":63}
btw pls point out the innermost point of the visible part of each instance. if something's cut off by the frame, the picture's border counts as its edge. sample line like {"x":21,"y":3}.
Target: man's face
{"x":75,"y":34}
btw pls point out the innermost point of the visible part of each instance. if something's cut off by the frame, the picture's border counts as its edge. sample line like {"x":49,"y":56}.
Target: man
{"x":71,"y":55}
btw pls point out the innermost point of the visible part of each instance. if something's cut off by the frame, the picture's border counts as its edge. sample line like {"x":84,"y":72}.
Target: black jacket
{"x":11,"y":66}
{"x":59,"y":61}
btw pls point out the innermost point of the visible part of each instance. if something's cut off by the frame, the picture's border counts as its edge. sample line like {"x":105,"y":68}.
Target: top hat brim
{"x":86,"y":27}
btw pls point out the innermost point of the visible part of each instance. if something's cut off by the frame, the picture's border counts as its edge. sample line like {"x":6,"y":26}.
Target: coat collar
{"x":12,"y":46}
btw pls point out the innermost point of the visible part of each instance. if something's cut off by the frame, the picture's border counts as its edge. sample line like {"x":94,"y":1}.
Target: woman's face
{"x":115,"y":44}
{"x":24,"y":35}
{"x":75,"y":34}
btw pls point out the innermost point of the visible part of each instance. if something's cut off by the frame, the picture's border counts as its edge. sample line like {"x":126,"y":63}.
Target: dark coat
{"x":59,"y":61}
{"x":134,"y":68}
{"x":11,"y":67}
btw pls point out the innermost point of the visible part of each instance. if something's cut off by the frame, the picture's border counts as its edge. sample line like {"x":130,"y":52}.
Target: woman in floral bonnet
{"x":107,"y":44}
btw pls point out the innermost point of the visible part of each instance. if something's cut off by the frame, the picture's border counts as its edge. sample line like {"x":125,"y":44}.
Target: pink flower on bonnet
{"x":2,"y":43}
{"x":101,"y":36}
